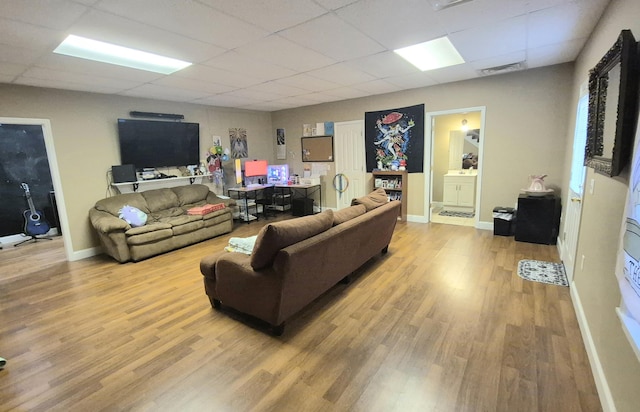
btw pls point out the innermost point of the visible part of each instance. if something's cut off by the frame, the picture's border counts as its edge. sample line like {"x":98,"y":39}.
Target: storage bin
{"x":503,"y":221}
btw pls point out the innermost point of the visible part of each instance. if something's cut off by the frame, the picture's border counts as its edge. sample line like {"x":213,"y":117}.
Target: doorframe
{"x":428,"y":158}
{"x":55,"y":174}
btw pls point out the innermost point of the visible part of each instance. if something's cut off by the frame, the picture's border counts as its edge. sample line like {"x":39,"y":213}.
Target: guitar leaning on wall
{"x":34,"y":221}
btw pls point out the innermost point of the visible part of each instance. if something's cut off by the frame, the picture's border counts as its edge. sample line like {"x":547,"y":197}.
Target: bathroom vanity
{"x":459,"y":191}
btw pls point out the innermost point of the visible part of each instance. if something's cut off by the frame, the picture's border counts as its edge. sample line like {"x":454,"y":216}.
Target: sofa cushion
{"x":159,"y":200}
{"x":276,"y":236}
{"x":147,"y":228}
{"x":190,"y":194}
{"x":348,"y":213}
{"x":112,"y":205}
{"x":374,"y":199}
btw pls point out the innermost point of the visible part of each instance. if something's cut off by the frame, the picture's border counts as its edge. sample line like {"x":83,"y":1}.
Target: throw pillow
{"x":133,"y":216}
{"x":276,"y":236}
{"x":374,"y":199}
{"x":348,"y":213}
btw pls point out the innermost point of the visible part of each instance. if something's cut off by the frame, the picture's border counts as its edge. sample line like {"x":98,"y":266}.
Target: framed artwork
{"x":281,"y":144}
{"x":238,"y":143}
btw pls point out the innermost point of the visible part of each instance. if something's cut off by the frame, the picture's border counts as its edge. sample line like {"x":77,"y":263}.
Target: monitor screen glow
{"x":277,"y":174}
{"x":255,"y":168}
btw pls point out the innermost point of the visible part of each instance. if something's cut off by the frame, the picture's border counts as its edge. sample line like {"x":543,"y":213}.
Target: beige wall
{"x":525,"y":132}
{"x":85,"y":136}
{"x":602,"y":215}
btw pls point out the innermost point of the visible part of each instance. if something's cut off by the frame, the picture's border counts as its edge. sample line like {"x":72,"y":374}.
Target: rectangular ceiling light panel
{"x":84,"y":48}
{"x":431,"y":55}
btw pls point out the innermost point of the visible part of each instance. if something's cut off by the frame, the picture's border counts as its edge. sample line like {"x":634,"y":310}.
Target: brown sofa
{"x":168,"y":225}
{"x":295,"y":261}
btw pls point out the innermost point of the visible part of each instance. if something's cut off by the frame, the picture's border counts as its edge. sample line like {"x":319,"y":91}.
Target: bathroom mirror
{"x":317,"y":149}
{"x":613,"y":102}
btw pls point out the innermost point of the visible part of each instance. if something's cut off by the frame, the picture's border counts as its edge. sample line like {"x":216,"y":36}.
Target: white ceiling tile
{"x":99,"y":25}
{"x":453,"y":73}
{"x":245,"y":64}
{"x":225,"y":100}
{"x":269,"y":106}
{"x":54,"y":14}
{"x":57,"y":84}
{"x":270,"y":14}
{"x":78,"y":78}
{"x":207,"y":73}
{"x":155,"y":91}
{"x":383,"y":65}
{"x":282,"y":52}
{"x":480,"y":13}
{"x":377,"y":87}
{"x":554,"y":53}
{"x":28,"y":36}
{"x":334,"y":4}
{"x":304,"y":81}
{"x":341,"y":74}
{"x":515,"y":57}
{"x":347,"y":92}
{"x":332,"y":37}
{"x":18,"y":55}
{"x":278,"y":89}
{"x":569,"y":21}
{"x":411,"y":81}
{"x":394,"y":24}
{"x":11,"y":69}
{"x":296,"y":101}
{"x":77,"y":65}
{"x":193,"y":20}
{"x":250,"y":93}
{"x":484,"y":42}
{"x":208,"y":87}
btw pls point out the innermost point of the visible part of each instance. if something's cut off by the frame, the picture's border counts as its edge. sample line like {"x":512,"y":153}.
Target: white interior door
{"x":350,"y":160}
{"x":576,"y":190}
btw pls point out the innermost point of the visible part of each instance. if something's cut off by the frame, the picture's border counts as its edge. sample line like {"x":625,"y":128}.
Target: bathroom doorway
{"x":457,"y":138}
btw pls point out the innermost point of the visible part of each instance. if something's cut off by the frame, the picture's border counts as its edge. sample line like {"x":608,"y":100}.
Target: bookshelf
{"x":395,"y":184}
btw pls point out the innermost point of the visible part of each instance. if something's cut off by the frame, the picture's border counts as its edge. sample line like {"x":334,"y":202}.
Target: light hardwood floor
{"x":440,"y":323}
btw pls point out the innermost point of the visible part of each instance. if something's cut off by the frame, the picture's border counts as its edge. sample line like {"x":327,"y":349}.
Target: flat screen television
{"x":277,"y":174}
{"x":152,"y":144}
{"x":254,"y":168}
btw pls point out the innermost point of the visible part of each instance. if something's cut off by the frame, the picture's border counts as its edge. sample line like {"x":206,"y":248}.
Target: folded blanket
{"x":241,"y":244}
{"x":203,"y":210}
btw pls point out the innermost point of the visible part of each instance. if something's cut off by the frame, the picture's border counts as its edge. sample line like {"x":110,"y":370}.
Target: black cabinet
{"x":538,"y":219}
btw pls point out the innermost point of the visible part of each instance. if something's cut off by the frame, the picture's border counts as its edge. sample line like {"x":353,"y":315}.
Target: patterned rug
{"x":545,"y":272}
{"x":456,"y":214}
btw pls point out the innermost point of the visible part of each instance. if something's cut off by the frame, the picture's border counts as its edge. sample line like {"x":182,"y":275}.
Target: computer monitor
{"x":277,"y":174}
{"x":253,"y":168}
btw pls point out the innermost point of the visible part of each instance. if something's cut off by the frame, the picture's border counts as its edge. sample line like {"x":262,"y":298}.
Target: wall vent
{"x":511,"y":67}
{"x":445,"y":4}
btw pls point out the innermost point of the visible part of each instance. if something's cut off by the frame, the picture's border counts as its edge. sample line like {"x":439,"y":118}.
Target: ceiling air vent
{"x":511,"y":67}
{"x":445,"y":4}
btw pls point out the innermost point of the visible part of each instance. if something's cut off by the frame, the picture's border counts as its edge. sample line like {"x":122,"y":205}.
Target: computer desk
{"x":248,"y":193}
{"x":299,"y":191}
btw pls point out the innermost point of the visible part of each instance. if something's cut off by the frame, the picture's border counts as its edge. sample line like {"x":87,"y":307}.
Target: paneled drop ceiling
{"x":275,"y":54}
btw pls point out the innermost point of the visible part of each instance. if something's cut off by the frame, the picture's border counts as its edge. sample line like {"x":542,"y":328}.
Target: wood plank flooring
{"x":440,"y":323}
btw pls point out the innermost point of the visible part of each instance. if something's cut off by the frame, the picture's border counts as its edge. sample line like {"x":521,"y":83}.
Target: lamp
{"x":464,"y":127}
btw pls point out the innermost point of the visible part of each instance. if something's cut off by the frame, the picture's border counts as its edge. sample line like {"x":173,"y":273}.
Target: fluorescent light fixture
{"x":84,"y":48}
{"x":430,"y":55}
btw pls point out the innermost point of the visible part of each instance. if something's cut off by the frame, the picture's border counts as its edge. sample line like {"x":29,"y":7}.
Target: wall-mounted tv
{"x":152,"y":144}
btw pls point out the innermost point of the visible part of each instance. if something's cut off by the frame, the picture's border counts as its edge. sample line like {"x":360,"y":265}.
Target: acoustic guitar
{"x":34,"y":222}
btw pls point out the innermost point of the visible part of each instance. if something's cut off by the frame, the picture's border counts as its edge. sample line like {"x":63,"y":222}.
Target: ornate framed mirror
{"x":613,"y":103}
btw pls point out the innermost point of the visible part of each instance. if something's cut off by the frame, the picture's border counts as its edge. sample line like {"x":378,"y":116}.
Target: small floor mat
{"x":456,"y":214}
{"x":544,"y":272}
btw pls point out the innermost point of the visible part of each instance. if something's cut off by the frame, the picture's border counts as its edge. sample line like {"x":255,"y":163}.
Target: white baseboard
{"x":606,"y":399}
{"x":484,"y":225}
{"x":417,"y":219}
{"x":83,"y":254}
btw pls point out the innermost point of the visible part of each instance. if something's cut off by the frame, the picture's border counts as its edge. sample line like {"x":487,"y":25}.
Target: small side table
{"x":538,"y":219}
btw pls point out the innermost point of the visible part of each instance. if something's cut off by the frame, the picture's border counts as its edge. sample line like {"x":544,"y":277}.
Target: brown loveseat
{"x":295,"y":261}
{"x":168,"y":225}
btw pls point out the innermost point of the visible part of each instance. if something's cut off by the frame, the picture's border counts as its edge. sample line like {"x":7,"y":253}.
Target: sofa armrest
{"x":106,"y":223}
{"x":236,"y":284}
